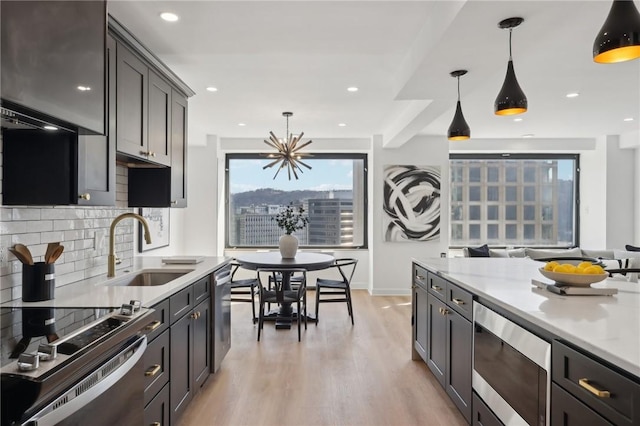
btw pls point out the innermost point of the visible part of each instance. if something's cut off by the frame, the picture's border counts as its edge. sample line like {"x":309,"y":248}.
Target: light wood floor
{"x":338,"y":375}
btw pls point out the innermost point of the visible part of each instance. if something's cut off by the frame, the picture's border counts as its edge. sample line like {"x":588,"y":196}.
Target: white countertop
{"x":96,"y":293}
{"x":607,"y":326}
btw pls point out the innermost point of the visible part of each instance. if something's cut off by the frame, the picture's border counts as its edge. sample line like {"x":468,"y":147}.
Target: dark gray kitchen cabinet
{"x":458,"y":365}
{"x":179,"y":114}
{"x":132,"y":83}
{"x":420,"y":311}
{"x":159,"y":120}
{"x":437,"y":338}
{"x":156,"y":413}
{"x":190,"y":344}
{"x":482,"y":415}
{"x":569,"y":411}
{"x":52,"y":60}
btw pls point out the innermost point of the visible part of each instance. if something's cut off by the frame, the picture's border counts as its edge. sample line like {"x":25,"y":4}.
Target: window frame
{"x":325,"y":155}
{"x":526,"y":156}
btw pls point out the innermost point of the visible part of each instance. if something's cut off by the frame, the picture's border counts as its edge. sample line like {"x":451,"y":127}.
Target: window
{"x":537,"y":194}
{"x":333,"y":194}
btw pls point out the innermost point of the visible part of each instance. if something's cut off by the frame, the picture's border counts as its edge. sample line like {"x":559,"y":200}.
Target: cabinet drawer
{"x":158,"y":320}
{"x":420,"y":276}
{"x":156,"y":366}
{"x":180,"y":303}
{"x":568,"y":411}
{"x":583,"y":376}
{"x":460,"y":300}
{"x":437,"y":286}
{"x":157,"y":412}
{"x":482,"y":415}
{"x":201,"y":289}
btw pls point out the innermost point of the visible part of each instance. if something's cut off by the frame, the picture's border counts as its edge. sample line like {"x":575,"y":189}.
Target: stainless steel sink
{"x":147,"y":278}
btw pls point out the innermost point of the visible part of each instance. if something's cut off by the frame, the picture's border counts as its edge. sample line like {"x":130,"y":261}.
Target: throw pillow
{"x":629,"y":247}
{"x":556,"y":254}
{"x":519,"y":252}
{"x":482,"y":251}
{"x":498,"y":253}
{"x":598,"y":254}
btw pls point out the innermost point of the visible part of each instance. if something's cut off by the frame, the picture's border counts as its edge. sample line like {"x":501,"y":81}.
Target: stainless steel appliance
{"x":221,"y":315}
{"x":511,"y":369}
{"x":72,"y":366}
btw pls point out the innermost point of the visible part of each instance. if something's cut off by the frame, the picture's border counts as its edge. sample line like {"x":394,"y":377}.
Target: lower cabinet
{"x":190,"y":345}
{"x":156,"y":413}
{"x":569,"y":411}
{"x":443,"y":334}
{"x":482,"y":415}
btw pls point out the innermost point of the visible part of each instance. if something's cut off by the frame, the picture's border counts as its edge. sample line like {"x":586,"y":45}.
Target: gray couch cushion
{"x":519,"y":252}
{"x":598,"y":254}
{"x":498,"y":253}
{"x":542,"y":254}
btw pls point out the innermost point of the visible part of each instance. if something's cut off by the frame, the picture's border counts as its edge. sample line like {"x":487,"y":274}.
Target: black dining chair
{"x":337,"y":290}
{"x":276,"y":293}
{"x":243,"y":290}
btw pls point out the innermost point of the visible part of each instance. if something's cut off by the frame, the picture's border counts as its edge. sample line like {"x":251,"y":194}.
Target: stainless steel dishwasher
{"x":221,"y":315}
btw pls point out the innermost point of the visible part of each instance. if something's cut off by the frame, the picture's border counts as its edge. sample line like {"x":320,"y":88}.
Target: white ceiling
{"x":266,"y":57}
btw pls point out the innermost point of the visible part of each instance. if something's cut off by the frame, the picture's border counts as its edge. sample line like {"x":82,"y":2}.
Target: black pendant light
{"x":619,"y":37}
{"x":511,"y":99}
{"x":459,"y":129}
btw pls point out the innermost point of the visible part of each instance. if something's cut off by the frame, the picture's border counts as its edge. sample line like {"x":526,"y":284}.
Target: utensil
{"x":19,"y":256}
{"x":24,"y":252}
{"x":51,"y":247}
{"x":56,"y":254}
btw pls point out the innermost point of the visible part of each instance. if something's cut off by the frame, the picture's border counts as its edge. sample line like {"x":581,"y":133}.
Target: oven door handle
{"x":50,"y":416}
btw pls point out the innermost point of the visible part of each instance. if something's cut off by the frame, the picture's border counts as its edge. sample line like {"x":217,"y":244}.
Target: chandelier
{"x":287,"y":155}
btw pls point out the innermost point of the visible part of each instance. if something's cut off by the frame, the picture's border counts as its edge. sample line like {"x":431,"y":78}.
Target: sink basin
{"x":148,"y":278}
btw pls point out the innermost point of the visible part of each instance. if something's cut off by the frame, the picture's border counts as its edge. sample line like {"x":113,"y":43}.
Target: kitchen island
{"x":591,"y":332}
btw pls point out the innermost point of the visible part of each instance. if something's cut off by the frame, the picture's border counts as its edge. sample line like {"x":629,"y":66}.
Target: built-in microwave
{"x":511,"y":369}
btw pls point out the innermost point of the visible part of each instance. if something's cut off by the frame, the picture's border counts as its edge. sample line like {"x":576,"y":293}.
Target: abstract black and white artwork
{"x":411,"y":203}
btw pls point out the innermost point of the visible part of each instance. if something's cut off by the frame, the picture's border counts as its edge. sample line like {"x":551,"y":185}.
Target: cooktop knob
{"x":47,"y":352}
{"x":28,"y":362}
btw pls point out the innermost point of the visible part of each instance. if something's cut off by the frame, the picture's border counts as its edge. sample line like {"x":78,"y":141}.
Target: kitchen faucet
{"x":111,"y":271}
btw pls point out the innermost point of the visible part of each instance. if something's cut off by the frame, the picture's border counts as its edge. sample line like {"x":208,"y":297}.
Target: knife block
{"x":38,"y":282}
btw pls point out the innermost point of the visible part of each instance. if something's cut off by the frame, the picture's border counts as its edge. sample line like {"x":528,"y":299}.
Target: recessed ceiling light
{"x":628,"y":119}
{"x":352,"y":89}
{"x":84,"y":88}
{"x":212,"y":89}
{"x":342,"y":124}
{"x":517,"y":119}
{"x":241,"y":124}
{"x":169,"y":17}
{"x":50,"y":128}
{"x":528,"y":135}
{"x":573,"y":95}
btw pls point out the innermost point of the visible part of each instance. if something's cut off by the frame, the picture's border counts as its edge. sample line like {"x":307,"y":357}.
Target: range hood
{"x":12,"y":119}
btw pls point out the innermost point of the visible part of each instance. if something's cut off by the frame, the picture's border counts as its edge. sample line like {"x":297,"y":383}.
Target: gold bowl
{"x":579,"y":280}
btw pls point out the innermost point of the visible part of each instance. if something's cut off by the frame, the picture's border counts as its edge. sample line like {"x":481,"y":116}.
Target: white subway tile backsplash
{"x":83,"y":231}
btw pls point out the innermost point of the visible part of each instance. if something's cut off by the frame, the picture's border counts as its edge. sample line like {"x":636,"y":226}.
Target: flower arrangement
{"x":291,"y":219}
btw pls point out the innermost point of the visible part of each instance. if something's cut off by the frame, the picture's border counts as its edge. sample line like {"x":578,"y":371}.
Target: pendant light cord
{"x":458,"y":88}
{"x":510,"y":32}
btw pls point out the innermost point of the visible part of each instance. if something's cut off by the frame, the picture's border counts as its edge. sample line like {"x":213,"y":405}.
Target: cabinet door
{"x":97,"y":154}
{"x":159,"y":142}
{"x":482,"y":415}
{"x":436,"y":338}
{"x":201,"y":343}
{"x":458,"y":366}
{"x":181,"y":371}
{"x":179,"y":112}
{"x":131,"y":103}
{"x":420,"y":318}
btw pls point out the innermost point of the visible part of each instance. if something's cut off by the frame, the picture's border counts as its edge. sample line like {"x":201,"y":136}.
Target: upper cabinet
{"x":53,"y":62}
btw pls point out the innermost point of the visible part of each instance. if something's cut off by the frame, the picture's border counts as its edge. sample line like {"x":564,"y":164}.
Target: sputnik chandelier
{"x":287,"y":155}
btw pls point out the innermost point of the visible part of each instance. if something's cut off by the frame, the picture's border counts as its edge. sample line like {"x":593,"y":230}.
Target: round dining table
{"x":303,"y":260}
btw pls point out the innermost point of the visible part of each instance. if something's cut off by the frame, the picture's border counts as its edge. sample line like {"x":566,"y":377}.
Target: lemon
{"x":550,"y":265}
{"x":565,"y":268}
{"x":582,"y":266}
{"x":594,"y":269}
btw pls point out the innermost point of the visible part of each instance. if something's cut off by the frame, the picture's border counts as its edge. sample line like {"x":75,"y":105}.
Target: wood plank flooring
{"x":338,"y":374}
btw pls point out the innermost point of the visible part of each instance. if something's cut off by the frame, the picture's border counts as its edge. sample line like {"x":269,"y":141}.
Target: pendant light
{"x":619,"y":37}
{"x":459,"y":129}
{"x":287,"y":155}
{"x":511,"y":99}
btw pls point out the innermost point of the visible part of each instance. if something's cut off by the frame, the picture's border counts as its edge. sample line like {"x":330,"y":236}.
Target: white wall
{"x":385,"y":267}
{"x":391,"y":261}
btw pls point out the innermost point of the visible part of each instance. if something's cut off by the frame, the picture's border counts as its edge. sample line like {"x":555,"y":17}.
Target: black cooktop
{"x":23,"y":329}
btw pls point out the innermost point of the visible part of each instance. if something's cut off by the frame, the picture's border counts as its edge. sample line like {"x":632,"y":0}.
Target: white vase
{"x":288,"y":245}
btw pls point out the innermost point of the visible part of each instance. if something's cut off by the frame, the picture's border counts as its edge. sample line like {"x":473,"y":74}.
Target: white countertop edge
{"x":607,"y":353}
{"x":95,"y":293}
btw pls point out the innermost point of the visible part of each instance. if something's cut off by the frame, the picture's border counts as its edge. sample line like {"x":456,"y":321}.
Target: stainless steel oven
{"x":68,"y":366}
{"x":511,"y":369}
